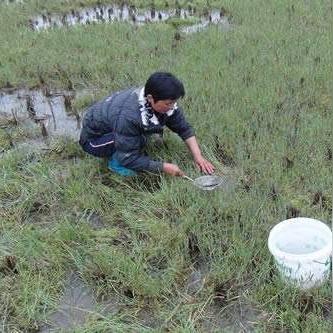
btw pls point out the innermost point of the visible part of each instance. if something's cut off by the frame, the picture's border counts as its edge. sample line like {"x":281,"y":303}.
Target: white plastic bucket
{"x":302,"y":249}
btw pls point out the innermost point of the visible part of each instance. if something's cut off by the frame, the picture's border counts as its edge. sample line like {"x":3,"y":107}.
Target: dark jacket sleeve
{"x":129,"y":142}
{"x":178,"y":124}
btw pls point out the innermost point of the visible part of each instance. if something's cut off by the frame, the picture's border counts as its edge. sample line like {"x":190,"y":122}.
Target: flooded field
{"x":53,"y":111}
{"x":114,"y":13}
{"x":83,"y":249}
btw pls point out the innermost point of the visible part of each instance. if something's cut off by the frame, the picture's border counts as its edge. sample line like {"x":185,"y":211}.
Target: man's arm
{"x":129,"y":143}
{"x":201,"y":163}
{"x":128,"y":152}
{"x":178,"y":124}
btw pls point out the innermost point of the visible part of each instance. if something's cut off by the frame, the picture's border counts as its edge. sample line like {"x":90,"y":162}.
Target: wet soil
{"x":74,"y":307}
{"x":237,"y":317}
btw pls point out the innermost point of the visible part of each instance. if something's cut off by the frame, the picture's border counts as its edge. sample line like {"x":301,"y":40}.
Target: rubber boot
{"x":116,"y":167}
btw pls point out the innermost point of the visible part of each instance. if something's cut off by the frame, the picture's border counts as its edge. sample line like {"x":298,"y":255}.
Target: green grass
{"x":259,"y":97}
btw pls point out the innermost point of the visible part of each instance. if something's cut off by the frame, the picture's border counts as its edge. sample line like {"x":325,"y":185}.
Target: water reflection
{"x":53,"y":111}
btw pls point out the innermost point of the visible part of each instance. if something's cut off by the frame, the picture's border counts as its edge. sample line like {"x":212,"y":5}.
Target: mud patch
{"x":8,"y":265}
{"x":240,"y":316}
{"x":109,"y":305}
{"x":196,"y":279}
{"x":93,"y":219}
{"x":292,"y":212}
{"x":147,"y":318}
{"x":74,"y":308}
{"x":125,"y":13}
{"x":199,"y":269}
{"x":321,"y":200}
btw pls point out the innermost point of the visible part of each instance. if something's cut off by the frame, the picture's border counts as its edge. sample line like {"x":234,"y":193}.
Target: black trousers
{"x":100,"y":147}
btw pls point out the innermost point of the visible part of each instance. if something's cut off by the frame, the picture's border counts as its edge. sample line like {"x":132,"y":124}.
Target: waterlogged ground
{"x":125,"y":13}
{"x":84,"y":250}
{"x":52,"y":111}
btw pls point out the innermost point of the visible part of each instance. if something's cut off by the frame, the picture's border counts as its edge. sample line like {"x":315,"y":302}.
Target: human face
{"x":161,"y":106}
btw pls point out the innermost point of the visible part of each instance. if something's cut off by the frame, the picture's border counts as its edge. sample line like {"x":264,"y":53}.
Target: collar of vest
{"x":148,"y":116}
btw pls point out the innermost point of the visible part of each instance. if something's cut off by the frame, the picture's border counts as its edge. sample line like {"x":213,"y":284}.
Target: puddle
{"x":7,"y":2}
{"x":125,"y":13}
{"x":77,"y":305}
{"x":196,"y":280}
{"x":195,"y":28}
{"x":74,"y":308}
{"x":148,"y":319}
{"x":236,"y":318}
{"x":199,"y":269}
{"x":91,"y":218}
{"x":51,"y":110}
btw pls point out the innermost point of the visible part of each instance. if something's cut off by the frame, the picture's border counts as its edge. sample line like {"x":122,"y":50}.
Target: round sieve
{"x":208,"y":183}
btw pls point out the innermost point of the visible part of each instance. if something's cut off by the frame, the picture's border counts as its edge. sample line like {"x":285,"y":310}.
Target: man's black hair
{"x":162,"y":85}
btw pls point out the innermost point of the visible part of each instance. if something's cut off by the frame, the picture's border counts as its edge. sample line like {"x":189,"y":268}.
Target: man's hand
{"x":172,"y":169}
{"x":204,"y":166}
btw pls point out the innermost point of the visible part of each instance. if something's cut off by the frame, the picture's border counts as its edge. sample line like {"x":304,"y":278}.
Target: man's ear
{"x":150,"y":98}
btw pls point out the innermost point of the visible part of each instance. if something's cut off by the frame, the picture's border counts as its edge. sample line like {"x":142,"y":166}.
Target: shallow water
{"x":239,"y":316}
{"x":7,"y":2}
{"x":74,"y":307}
{"x":51,"y":110}
{"x":296,"y":247}
{"x":115,"y":13}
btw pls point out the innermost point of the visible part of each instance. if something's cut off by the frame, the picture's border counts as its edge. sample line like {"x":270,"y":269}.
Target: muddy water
{"x":238,"y":316}
{"x":196,"y":280}
{"x":76,"y":305}
{"x":74,"y":308}
{"x":114,"y":13}
{"x":51,"y":110}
